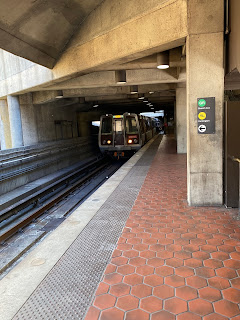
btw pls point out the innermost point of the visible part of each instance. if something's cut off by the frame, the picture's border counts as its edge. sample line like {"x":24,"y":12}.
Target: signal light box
{"x":206,"y":115}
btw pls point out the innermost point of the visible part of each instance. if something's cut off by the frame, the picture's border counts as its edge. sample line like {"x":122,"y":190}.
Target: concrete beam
{"x":39,"y":30}
{"x":149,"y":28}
{"x":158,"y":92}
{"x":140,"y":33}
{"x":107,"y":78}
{"x":14,"y":45}
{"x":19,"y":75}
{"x":129,"y":97}
{"x":176,"y":59}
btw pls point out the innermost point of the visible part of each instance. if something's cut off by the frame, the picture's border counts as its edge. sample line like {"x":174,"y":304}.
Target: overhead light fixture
{"x":163,"y":60}
{"x":152,"y":108}
{"x":120,"y":76}
{"x":151,"y":92}
{"x":95,"y":106}
{"x":145,"y":101}
{"x":59,"y":94}
{"x":141,"y":97}
{"x":133,"y":89}
{"x":81,"y":100}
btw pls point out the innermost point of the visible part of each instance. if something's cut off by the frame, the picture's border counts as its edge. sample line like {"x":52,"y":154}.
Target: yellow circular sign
{"x":202,"y":115}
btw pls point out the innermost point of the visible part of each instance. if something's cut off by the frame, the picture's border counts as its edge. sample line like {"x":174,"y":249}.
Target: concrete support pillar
{"x":181,"y":120}
{"x":2,"y":137}
{"x":15,"y":121}
{"x":84,"y":124}
{"x":205,"y":78}
{"x":5,"y":135}
{"x":29,"y":122}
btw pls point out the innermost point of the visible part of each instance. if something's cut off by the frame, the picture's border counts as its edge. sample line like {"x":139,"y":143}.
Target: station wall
{"x":234,"y":39}
{"x":48,"y":122}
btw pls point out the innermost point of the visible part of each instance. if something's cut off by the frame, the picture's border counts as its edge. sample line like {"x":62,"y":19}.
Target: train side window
{"x":106,"y":125}
{"x":147,"y":124}
{"x":131,"y":125}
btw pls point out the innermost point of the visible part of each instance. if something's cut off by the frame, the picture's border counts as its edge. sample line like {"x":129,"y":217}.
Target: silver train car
{"x":122,"y":135}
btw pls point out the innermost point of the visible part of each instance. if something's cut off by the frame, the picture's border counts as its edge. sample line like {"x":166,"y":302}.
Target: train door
{"x":118,"y":130}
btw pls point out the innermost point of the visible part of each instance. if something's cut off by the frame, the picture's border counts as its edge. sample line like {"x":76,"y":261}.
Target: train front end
{"x":119,"y":135}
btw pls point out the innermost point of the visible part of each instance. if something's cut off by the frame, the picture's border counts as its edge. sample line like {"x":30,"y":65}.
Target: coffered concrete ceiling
{"x":85,"y":42}
{"x":40,"y":29}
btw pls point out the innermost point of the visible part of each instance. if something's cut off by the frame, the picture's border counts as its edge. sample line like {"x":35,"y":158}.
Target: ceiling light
{"x":141,"y":97}
{"x":81,"y":100}
{"x":133,"y":89}
{"x":163,"y":66}
{"x":163,"y":60}
{"x":95,"y":106}
{"x":151,"y":92}
{"x":145,"y":100}
{"x":120,"y":76}
{"x":59,"y":94}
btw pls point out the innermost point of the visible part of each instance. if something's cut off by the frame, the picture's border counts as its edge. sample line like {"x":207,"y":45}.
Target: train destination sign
{"x":206,"y":115}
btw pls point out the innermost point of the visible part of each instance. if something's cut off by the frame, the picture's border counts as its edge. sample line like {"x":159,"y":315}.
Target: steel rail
{"x":63,"y":180}
{"x":27,"y":218}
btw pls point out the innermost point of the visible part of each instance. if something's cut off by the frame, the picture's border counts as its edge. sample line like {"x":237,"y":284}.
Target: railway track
{"x":23,"y":212}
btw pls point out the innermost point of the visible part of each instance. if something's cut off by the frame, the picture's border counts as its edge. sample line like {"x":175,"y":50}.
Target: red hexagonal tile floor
{"x":172,"y":262}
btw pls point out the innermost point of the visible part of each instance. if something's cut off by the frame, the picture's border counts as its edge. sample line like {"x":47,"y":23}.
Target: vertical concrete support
{"x":29,"y":122}
{"x":15,"y":121}
{"x":205,"y":78}
{"x":5,"y":135}
{"x":181,"y":120}
{"x":84,"y":124}
{"x":2,"y":137}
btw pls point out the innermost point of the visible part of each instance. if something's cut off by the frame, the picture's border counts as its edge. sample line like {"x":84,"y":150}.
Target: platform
{"x":134,"y":251}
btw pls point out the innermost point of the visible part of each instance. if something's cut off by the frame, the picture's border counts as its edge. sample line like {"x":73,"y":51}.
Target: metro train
{"x":122,"y":135}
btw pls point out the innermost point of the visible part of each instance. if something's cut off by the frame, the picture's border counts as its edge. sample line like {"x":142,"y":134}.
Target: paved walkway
{"x":172,"y":261}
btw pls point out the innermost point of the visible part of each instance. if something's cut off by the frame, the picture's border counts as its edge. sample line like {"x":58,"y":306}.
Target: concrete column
{"x":181,"y":120}
{"x":29,"y":122}
{"x":15,"y":121}
{"x":205,"y":78}
{"x":6,"y":142}
{"x":2,"y":137}
{"x":84,"y":124}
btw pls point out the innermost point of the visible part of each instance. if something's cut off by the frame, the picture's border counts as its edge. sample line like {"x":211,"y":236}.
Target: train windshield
{"x":106,"y":125}
{"x":131,"y":125}
{"x":118,"y":126}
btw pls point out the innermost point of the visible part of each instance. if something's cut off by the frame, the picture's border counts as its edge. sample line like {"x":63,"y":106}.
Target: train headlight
{"x":109,"y":142}
{"x":130,"y":141}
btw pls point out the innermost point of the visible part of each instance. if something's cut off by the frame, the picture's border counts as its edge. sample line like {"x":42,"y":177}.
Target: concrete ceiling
{"x":101,"y":88}
{"x":40,"y":29}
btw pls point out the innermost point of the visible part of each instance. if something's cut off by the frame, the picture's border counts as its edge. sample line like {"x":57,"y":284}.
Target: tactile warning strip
{"x":68,"y":289}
